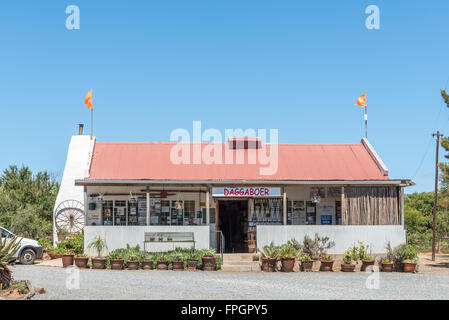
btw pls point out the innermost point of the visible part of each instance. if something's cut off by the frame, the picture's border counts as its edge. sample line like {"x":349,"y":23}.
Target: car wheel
{"x":28,"y":256}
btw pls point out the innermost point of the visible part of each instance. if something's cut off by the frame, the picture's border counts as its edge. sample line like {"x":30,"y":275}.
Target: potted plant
{"x":208,"y":260}
{"x":270,"y":256}
{"x":287,"y":254}
{"x":162,"y":262}
{"x":405,"y":257}
{"x":81,"y":260}
{"x":306,"y":262}
{"x":256,"y":257}
{"x":132,"y":260}
{"x":387,"y":265}
{"x":367,"y":259}
{"x":411,"y":258}
{"x":99,"y":245}
{"x":147,"y":262}
{"x":326,"y":263}
{"x":55,"y":253}
{"x":177,"y":261}
{"x":116,"y":259}
{"x":252,"y":248}
{"x":67,"y":258}
{"x":347,"y":262}
{"x":192,"y":260}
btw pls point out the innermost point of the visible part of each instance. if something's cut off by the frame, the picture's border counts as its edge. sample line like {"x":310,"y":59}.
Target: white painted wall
{"x":344,"y":236}
{"x":118,"y":236}
{"x":79,"y":157}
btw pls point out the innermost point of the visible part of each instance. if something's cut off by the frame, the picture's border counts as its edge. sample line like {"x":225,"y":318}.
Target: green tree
{"x":26,"y":201}
{"x":444,"y":166}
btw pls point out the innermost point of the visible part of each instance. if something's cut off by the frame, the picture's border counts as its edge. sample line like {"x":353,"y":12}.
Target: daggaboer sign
{"x":236,"y":192}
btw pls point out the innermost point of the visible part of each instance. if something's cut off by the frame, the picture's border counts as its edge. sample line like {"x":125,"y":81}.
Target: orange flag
{"x":361,"y":101}
{"x":88,"y":100}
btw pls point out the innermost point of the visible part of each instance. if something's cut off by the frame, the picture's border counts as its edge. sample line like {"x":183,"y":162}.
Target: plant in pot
{"x":177,"y":261}
{"x":326,"y":264}
{"x":132,"y":260}
{"x":81,"y":260}
{"x":192,"y":260}
{"x":387,"y":263}
{"x":347,"y":264}
{"x":256,"y":257}
{"x":208,"y":260}
{"x":147,"y":261}
{"x":116,"y":259}
{"x":270,"y":256}
{"x":67,"y":258}
{"x":252,"y":248}
{"x":306,"y":262}
{"x":55,"y":253}
{"x":99,"y":245}
{"x":405,"y":257}
{"x":411,"y":258}
{"x":162,"y":261}
{"x":367,"y":259}
{"x":316,"y":248}
{"x":287,"y":253}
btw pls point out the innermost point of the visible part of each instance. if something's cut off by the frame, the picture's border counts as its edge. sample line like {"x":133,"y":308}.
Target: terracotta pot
{"x":81,"y":262}
{"x":178,"y":265}
{"x":268,"y":264}
{"x":306,"y":266}
{"x":192,"y":264}
{"x":67,"y":260}
{"x":347,"y":267}
{"x":288,"y":264}
{"x":133,"y":265}
{"x":162,"y":265}
{"x":147,"y":264}
{"x":251,"y":250}
{"x":117,"y":264}
{"x":366,"y":264}
{"x":98,"y":263}
{"x":209,"y":263}
{"x":326,"y":266}
{"x":55,"y":256}
{"x":409,"y":267}
{"x":387,"y":267}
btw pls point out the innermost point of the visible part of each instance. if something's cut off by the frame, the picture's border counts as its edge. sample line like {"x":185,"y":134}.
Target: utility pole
{"x":435,"y":200}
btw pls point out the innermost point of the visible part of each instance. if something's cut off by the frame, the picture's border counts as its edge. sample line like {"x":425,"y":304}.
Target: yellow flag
{"x":88,"y":100}
{"x":361,"y":101}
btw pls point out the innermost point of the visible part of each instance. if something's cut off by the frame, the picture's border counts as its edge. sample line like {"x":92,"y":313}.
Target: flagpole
{"x":366,"y":122}
{"x":91,"y":123}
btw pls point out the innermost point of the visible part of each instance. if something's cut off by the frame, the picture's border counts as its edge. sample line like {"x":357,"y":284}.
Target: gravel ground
{"x":141,"y":284}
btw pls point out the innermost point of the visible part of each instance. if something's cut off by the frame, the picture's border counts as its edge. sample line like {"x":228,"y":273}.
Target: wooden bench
{"x":169,"y":237}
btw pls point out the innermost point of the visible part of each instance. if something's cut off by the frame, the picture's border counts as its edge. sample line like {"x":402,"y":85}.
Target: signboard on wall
{"x":246,"y":192}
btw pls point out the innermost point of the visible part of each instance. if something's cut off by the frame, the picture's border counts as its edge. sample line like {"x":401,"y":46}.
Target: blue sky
{"x":154,"y":66}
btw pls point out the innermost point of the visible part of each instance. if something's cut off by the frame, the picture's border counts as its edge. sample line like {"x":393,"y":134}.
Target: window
{"x":189,"y":212}
{"x":120,"y":210}
{"x":212,"y":215}
{"x":107,"y":210}
{"x":6,"y":234}
{"x":310,"y":212}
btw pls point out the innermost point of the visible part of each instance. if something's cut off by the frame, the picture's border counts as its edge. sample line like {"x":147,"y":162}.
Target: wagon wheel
{"x":70,"y":216}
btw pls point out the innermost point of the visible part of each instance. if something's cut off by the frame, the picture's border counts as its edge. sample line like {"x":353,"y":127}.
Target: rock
{"x":39,"y":290}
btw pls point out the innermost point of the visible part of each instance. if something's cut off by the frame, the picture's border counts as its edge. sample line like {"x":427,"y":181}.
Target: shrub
{"x":317,"y":247}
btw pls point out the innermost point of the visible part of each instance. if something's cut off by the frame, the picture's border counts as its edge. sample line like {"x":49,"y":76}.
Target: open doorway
{"x":233,"y":222}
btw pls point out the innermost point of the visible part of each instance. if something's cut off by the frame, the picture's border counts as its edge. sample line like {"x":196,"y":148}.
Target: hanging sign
{"x":244,"y":192}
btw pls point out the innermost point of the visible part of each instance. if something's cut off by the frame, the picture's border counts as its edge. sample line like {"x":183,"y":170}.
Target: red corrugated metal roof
{"x":313,"y":162}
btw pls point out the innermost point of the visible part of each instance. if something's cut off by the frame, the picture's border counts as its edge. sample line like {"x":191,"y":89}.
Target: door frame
{"x":217,"y":213}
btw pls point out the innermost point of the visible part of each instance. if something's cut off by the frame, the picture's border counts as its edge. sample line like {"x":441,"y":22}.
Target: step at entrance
{"x":239,"y":262}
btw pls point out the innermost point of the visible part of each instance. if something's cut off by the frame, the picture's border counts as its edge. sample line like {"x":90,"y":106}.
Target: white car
{"x":29,"y":249}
